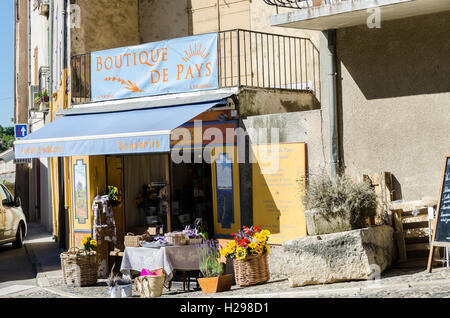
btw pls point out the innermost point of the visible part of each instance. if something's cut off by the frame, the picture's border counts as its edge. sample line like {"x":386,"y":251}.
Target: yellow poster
{"x":278,"y":171}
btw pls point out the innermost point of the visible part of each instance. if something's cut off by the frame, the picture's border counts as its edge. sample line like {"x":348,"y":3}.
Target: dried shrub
{"x":344,"y":195}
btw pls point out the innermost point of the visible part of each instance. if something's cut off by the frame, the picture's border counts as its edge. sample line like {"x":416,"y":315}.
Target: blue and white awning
{"x":126,"y":132}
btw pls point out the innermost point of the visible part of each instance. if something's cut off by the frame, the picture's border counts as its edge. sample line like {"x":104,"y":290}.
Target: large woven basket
{"x":149,"y":286}
{"x":252,"y":270}
{"x":176,"y":238}
{"x":194,"y":241}
{"x":79,"y":267}
{"x":131,"y":240}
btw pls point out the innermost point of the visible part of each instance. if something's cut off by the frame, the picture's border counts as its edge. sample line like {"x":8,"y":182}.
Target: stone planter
{"x":352,"y":255}
{"x":318,"y":222}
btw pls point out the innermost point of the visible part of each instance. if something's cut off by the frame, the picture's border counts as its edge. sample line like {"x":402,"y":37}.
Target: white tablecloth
{"x":169,"y":258}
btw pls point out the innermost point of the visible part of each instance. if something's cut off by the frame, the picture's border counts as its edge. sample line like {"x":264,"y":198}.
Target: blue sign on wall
{"x":21,"y":130}
{"x":172,"y":66}
{"x":224,"y":191}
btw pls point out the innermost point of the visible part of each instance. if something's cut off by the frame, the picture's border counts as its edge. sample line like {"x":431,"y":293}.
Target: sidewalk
{"x":43,"y":253}
{"x":396,"y":282}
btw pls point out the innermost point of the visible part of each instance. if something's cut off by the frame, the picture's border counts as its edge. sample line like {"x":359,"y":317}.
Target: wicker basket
{"x":149,"y":286}
{"x":176,"y":238}
{"x":79,"y":268}
{"x":193,"y":241}
{"x":252,"y":270}
{"x":131,"y":240}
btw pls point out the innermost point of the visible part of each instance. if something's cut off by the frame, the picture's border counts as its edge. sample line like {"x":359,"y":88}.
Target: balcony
{"x":335,"y":14}
{"x":245,"y":59}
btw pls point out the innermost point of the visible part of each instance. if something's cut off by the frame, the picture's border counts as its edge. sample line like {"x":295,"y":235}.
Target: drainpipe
{"x":50,"y":50}
{"x":332,"y":73}
{"x":62,"y":190}
{"x":64,"y":35}
{"x":65,"y":52}
{"x":29,"y":43}
{"x":53,"y":217}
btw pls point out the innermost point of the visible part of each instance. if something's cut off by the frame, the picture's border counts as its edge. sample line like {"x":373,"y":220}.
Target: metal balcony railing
{"x":297,"y":4}
{"x":245,"y":58}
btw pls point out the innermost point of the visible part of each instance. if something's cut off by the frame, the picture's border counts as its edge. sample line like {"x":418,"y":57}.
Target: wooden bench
{"x":402,"y":210}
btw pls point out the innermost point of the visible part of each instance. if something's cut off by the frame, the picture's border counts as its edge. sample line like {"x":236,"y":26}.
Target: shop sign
{"x":278,"y":171}
{"x":171,"y":66}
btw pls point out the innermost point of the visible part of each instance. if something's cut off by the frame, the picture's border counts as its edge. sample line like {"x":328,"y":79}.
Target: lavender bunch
{"x":210,"y":258}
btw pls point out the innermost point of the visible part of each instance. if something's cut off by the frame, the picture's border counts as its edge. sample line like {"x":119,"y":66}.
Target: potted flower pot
{"x":126,"y":290}
{"x":215,"y":284}
{"x":115,"y":292}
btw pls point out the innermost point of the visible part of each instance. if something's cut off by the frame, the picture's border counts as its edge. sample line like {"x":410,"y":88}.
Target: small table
{"x":170,"y":258}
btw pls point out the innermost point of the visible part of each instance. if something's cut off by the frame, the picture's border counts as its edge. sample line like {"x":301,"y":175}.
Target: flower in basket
{"x":209,"y":259}
{"x":88,"y":243}
{"x":152,"y":193}
{"x":113,"y":196}
{"x":249,"y":241}
{"x":147,"y":197}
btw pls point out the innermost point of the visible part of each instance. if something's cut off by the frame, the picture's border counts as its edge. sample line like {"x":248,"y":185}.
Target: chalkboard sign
{"x":441,"y":228}
{"x":443,"y":216}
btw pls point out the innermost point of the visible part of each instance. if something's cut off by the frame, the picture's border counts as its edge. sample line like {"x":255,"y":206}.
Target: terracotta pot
{"x":215,"y":284}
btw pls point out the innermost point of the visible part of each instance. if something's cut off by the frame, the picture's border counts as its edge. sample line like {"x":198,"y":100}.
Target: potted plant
{"x":148,"y":201}
{"x":37,"y":99}
{"x":113,"y":196}
{"x":119,"y":287}
{"x":79,"y":266}
{"x":338,"y":206}
{"x":44,"y":97}
{"x":212,"y":268}
{"x":249,"y":251}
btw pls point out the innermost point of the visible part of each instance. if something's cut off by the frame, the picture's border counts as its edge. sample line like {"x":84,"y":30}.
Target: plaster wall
{"x":39,"y":43}
{"x":105,"y":24}
{"x":7,"y":171}
{"x":21,"y":62}
{"x":272,"y":101}
{"x":219,"y":15}
{"x":395,"y":96}
{"x":162,"y":20}
{"x":303,"y":126}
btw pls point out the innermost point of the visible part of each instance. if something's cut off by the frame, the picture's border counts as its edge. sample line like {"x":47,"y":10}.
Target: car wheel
{"x":18,"y":243}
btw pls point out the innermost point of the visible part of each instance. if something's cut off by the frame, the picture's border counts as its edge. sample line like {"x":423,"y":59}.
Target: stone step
{"x":418,"y":218}
{"x":410,"y":214}
{"x":418,"y":232}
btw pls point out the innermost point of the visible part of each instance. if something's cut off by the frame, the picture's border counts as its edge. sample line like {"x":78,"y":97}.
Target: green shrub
{"x":343,"y":195}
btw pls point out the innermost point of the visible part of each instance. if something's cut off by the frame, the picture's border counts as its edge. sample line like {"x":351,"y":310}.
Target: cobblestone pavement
{"x":395,"y":283}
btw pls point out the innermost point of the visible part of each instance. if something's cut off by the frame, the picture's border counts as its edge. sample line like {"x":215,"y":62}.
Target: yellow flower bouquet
{"x":249,"y":251}
{"x":113,"y":196}
{"x":88,"y":243}
{"x":249,"y":241}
